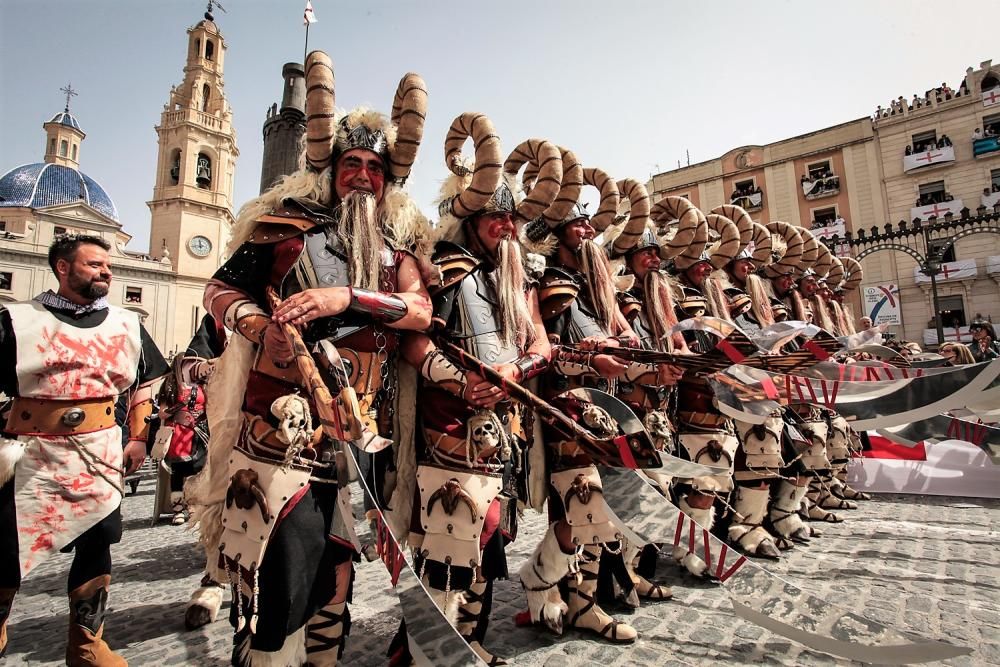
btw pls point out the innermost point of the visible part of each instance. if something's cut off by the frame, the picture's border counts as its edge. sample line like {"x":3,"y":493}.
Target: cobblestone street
{"x":927,"y":565}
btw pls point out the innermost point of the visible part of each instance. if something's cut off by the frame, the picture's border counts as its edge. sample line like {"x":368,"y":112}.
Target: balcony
{"x":989,"y":201}
{"x":963,"y":269}
{"x":937,"y":210}
{"x":827,"y":230}
{"x":826,"y":186}
{"x":751,"y":202}
{"x":933,"y":156}
{"x":985,"y":146}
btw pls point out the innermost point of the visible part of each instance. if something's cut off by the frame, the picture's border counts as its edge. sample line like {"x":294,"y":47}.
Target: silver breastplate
{"x":645,"y":332}
{"x":477,"y":328}
{"x":582,"y":323}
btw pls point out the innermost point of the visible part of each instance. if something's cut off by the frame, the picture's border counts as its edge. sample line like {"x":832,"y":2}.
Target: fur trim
{"x":545,"y":247}
{"x":209,"y":598}
{"x":545,"y":567}
{"x":447,"y":603}
{"x":370,"y":118}
{"x":449,"y":227}
{"x":408,"y":228}
{"x":400,"y":511}
{"x":538,"y":481}
{"x":11,"y":451}
{"x":705,"y":518}
{"x":291,"y":653}
{"x":303,"y":184}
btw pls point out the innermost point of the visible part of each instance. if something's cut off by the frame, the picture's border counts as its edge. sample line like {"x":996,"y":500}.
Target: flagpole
{"x":305,"y":50}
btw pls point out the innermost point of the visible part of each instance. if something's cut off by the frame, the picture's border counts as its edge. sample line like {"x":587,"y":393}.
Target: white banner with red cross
{"x":929,"y":157}
{"x":937,"y":210}
{"x":991,"y":98}
{"x":962,"y":269}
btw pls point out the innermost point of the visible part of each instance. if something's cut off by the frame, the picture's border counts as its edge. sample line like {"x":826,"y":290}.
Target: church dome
{"x":41,"y":185}
{"x":67,"y":119}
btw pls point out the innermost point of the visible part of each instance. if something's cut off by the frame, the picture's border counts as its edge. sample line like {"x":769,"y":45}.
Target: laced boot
{"x":85,"y":646}
{"x":642,"y":586}
{"x":699,"y":507}
{"x":843,"y":489}
{"x":828,"y":498}
{"x":326,"y":634}
{"x":205,"y":603}
{"x":784,"y":515}
{"x":540,"y":576}
{"x":747,"y":530}
{"x":817,"y":512}
{"x":469,"y":621}
{"x":178,"y":507}
{"x":6,"y":601}
{"x":584,"y":612}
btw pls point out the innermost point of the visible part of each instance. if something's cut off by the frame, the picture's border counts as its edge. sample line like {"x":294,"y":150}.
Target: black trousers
{"x":91,"y":550}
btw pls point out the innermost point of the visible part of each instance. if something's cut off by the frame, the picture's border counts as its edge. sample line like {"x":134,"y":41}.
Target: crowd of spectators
{"x":940,"y":94}
{"x":993,"y":189}
{"x":822,"y":180}
{"x":744,"y":190}
{"x":933,"y":198}
{"x":991,"y":130}
{"x":929,"y":145}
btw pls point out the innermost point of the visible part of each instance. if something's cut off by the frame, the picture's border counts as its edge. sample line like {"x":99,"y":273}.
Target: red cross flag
{"x":309,"y":16}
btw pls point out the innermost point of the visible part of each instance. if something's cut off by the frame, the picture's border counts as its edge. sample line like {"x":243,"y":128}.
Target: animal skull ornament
{"x":245,"y":491}
{"x":582,"y":489}
{"x":484,"y":431}
{"x":450,"y":494}
{"x":295,"y":428}
{"x":599,"y":420}
{"x":658,"y":425}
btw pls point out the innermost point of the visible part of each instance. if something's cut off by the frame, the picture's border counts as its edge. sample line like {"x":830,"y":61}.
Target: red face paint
{"x":349,"y":174}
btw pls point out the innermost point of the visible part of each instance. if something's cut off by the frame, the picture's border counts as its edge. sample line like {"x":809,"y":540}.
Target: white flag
{"x":309,"y":16}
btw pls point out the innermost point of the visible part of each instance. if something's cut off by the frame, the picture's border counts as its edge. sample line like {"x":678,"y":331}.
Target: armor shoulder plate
{"x":289,"y":219}
{"x":629,"y":304}
{"x":556,"y":292}
{"x":454,"y":262}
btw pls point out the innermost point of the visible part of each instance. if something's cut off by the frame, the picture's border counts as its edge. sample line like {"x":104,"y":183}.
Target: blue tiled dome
{"x":40,"y":185}
{"x":67,"y":119}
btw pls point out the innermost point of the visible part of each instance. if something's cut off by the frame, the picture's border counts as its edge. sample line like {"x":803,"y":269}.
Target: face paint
{"x":350,"y":172}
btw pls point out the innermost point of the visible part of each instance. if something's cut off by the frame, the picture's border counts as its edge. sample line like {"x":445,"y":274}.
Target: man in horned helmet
{"x":471,"y":440}
{"x":327,"y":251}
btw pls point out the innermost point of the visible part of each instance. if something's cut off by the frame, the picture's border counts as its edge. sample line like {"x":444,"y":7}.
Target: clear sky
{"x":628,"y":85}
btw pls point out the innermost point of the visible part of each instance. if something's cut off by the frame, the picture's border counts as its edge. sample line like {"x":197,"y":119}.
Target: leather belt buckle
{"x":73,"y":417}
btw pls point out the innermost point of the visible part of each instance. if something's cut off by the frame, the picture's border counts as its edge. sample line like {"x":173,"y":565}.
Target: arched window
{"x":209,"y":50}
{"x":52,"y":145}
{"x":74,"y":151}
{"x":175,"y":166}
{"x":203,"y":177}
{"x":197,"y":48}
{"x":206,"y":93}
{"x":63,"y":148}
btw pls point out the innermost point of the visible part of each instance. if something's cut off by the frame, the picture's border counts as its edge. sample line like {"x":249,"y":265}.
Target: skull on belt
{"x":484,"y":431}
{"x":658,"y":425}
{"x":598,"y":420}
{"x":295,"y":427}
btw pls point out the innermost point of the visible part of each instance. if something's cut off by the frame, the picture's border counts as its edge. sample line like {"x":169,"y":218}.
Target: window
{"x":744,"y":187}
{"x":934,"y":247}
{"x":63,"y":148}
{"x":197,"y":48}
{"x":3,"y":225}
{"x":931,"y":193}
{"x":819,"y":170}
{"x":6,"y":280}
{"x":824,"y":216}
{"x":206,"y":93}
{"x":133,"y":295}
{"x":995,"y":180}
{"x":952,"y":311}
{"x":209,"y":50}
{"x":175,"y":166}
{"x":74,"y":151}
{"x":923,"y":141}
{"x":52,"y":145}
{"x":58,"y":231}
{"x":991,"y":124}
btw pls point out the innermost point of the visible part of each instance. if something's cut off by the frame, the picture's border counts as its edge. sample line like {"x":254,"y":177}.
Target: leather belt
{"x":701,"y":418}
{"x":43,"y":416}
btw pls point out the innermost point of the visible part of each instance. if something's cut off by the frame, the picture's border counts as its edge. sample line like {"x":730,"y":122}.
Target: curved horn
{"x":824,"y":260}
{"x":789,"y":261}
{"x":548,"y":164}
{"x":638,"y":215}
{"x":608,"y":207}
{"x":409,"y":110}
{"x":810,"y":251}
{"x":691,"y":253}
{"x":854,"y":273}
{"x":728,"y":246}
{"x":487,"y":172}
{"x":321,"y":100}
{"x":836,"y":274}
{"x":762,"y":245}
{"x":744,"y":223}
{"x":689,"y":225}
{"x":569,"y":190}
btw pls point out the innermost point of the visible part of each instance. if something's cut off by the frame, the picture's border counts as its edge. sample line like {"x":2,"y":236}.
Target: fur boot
{"x":540,"y":576}
{"x":747,"y":530}
{"x":704,"y":518}
{"x":784,"y":515}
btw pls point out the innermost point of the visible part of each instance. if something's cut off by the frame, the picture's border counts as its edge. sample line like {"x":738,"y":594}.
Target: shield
{"x":624,"y":442}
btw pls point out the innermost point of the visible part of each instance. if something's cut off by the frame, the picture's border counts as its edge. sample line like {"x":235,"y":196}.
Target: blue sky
{"x":628,"y":85}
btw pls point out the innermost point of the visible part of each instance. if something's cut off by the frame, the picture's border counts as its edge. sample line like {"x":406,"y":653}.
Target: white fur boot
{"x":540,"y":576}
{"x":746,"y":529}
{"x":692,"y":562}
{"x":785,"y":517}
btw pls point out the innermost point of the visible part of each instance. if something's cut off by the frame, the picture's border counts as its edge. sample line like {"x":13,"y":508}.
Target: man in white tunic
{"x":79,"y":372}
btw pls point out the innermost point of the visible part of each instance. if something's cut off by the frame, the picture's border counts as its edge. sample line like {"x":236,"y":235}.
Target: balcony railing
{"x":936,"y":210}
{"x":985,"y":145}
{"x":942,"y":155}
{"x":751,"y":202}
{"x":818,"y":188}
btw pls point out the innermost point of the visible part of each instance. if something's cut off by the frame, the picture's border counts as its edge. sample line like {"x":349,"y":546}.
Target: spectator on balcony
{"x":805,"y":177}
{"x":756,"y":190}
{"x":995,"y":187}
{"x":991,"y":130}
{"x":909,"y":150}
{"x":948,"y":197}
{"x":984,"y":341}
{"x":977,"y":134}
{"x":944,"y":141}
{"x":946,"y":91}
{"x":957,"y":354}
{"x":865,"y":323}
{"x":915,"y":102}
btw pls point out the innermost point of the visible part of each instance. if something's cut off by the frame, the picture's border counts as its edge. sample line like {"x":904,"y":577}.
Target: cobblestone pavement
{"x":927,"y":565}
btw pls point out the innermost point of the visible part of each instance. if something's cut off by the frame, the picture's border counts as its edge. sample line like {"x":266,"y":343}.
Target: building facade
{"x":860,"y":174}
{"x":191,"y":208}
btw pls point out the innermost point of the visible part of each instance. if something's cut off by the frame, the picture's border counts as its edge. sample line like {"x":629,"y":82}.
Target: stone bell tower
{"x":192,"y":204}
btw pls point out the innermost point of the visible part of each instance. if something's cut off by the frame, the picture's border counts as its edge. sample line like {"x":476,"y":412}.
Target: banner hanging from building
{"x":991,"y":98}
{"x":881,"y":303}
{"x":937,"y":210}
{"x":928,"y":157}
{"x":963,"y":269}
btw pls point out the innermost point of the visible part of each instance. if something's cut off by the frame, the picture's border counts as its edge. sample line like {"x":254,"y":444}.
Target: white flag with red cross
{"x":309,"y":16}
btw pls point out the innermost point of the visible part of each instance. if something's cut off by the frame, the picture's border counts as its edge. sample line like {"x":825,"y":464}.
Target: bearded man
{"x":332,"y":242}
{"x":72,"y":364}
